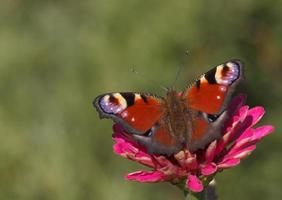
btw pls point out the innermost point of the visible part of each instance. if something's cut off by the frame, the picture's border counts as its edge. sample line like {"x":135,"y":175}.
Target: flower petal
{"x":243,"y":141}
{"x":239,"y":120}
{"x":210,"y":152}
{"x":253,"y":116}
{"x":240,"y":153}
{"x":262,"y":131}
{"x":208,"y":169}
{"x":163,"y":161}
{"x":194,"y":184}
{"x":228,"y":163}
{"x":130,"y":150}
{"x":250,"y":137}
{"x":234,"y":128}
{"x":238,"y":116}
{"x":123,"y":147}
{"x":120,"y":136}
{"x":256,"y":113}
{"x":167,"y":167}
{"x":148,"y":177}
{"x":246,"y":134}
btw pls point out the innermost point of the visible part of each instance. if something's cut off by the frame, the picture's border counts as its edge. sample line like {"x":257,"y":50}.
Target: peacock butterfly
{"x":190,"y":119}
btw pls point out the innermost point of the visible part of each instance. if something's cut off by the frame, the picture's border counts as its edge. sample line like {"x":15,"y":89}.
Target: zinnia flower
{"x":196,"y":170}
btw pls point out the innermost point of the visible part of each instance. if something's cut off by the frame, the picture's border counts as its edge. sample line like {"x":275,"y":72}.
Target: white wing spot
{"x":223,"y":89}
{"x":124,"y":114}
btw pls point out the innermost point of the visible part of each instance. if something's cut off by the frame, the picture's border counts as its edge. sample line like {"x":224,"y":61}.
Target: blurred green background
{"x":56,"y":56}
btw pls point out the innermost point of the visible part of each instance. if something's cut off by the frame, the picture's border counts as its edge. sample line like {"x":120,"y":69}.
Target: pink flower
{"x":238,"y":140}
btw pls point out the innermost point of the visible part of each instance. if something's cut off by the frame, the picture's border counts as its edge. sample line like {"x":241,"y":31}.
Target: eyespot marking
{"x":112,"y":103}
{"x":227,"y":73}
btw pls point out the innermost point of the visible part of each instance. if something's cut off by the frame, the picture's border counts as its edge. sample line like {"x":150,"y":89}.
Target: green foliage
{"x":56,"y":56}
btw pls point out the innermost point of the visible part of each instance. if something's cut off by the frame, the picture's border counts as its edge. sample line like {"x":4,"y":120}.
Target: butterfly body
{"x":190,"y":119}
{"x":178,"y":117}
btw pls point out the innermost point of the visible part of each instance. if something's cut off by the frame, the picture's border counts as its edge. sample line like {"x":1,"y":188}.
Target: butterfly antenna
{"x":178,"y":71}
{"x":177,"y":75}
{"x":150,"y":80}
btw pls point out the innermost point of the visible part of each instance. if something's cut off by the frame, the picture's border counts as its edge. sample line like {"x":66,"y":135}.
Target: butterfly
{"x":189,"y":119}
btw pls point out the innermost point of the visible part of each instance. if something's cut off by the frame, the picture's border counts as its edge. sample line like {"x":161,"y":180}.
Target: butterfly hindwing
{"x":206,"y":131}
{"x":159,"y":141}
{"x":135,"y":111}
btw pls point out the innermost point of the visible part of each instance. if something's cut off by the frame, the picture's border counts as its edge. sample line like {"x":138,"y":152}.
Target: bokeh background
{"x":56,"y":56}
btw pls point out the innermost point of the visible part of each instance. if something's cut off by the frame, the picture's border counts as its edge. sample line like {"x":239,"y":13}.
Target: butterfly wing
{"x":211,"y":92}
{"x":159,"y":140}
{"x":143,"y":116}
{"x":210,"y":95}
{"x":137,"y":112}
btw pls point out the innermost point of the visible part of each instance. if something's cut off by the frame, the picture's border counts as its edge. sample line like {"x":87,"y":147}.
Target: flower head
{"x":238,"y":140}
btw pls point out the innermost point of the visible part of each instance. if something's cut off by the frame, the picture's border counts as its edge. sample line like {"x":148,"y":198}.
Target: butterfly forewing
{"x":137,"y":112}
{"x":211,"y":92}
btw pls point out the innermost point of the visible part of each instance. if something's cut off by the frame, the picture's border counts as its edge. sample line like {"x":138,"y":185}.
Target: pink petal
{"x":208,"y":169}
{"x":263,"y":131}
{"x":194,"y":183}
{"x":167,"y":167}
{"x":253,"y":116}
{"x":246,"y":134}
{"x":250,"y":137}
{"x":256,"y":113}
{"x":173,"y":171}
{"x":243,"y":142}
{"x":244,"y":152}
{"x":163,"y":161}
{"x":127,"y":149}
{"x":238,"y":116}
{"x":233,"y":129}
{"x":144,"y":159}
{"x":240,"y":153}
{"x":124,"y":147}
{"x":122,"y":137}
{"x":210,"y":152}
{"x":256,"y":134}
{"x":128,"y":152}
{"x":221,"y":144}
{"x":228,"y":163}
{"x":239,"y":122}
{"x":149,"y":177}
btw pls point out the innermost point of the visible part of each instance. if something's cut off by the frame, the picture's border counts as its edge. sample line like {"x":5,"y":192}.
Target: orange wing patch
{"x":144,"y":114}
{"x":211,"y":91}
{"x":207,"y":98}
